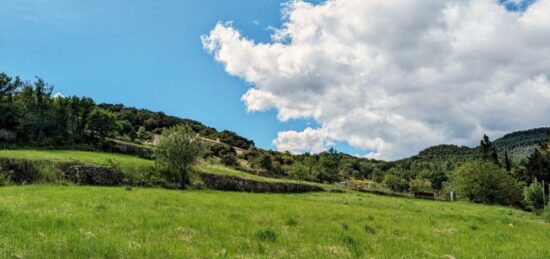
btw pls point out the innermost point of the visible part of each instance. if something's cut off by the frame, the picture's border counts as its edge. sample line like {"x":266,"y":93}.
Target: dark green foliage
{"x":533,"y":196}
{"x":229,"y":159}
{"x":101,"y":123}
{"x":521,"y":144}
{"x":507,"y":162}
{"x":488,"y":152}
{"x":437,"y":178}
{"x":395,"y":183}
{"x":485,"y":182}
{"x":264,"y":161}
{"x":233,"y":139}
{"x":31,"y":116}
{"x":328,"y":166}
{"x":537,"y":165}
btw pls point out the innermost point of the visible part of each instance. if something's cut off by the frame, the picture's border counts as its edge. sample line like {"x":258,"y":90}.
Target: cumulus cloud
{"x":392,"y":77}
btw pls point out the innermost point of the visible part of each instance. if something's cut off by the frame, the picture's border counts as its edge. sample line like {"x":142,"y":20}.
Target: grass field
{"x":97,"y":222}
{"x":126,"y":163}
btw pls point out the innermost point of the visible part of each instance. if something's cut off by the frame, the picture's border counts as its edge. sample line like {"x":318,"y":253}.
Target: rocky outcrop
{"x":232,"y":183}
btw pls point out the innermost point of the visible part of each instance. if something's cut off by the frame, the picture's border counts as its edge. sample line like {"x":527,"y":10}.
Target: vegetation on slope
{"x":521,"y":144}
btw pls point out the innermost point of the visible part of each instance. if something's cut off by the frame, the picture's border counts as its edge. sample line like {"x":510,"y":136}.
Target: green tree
{"x":537,"y":165}
{"x":485,"y":182}
{"x":299,"y":171}
{"x":101,"y":123}
{"x":533,"y":196}
{"x":328,"y":166}
{"x":436,"y":177}
{"x":395,"y":183}
{"x":507,"y":162}
{"x":488,"y":151}
{"x":177,"y":151}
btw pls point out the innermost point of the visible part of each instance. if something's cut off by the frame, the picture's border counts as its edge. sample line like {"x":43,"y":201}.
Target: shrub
{"x":264,"y":161}
{"x":533,"y":196}
{"x":229,"y":159}
{"x":420,"y":185}
{"x":485,"y":182}
{"x":395,"y":183}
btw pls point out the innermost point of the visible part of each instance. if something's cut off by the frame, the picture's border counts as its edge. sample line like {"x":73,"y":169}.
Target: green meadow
{"x":41,"y":221}
{"x":126,"y":163}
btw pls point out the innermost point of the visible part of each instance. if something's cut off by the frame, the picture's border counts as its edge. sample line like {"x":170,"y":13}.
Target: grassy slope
{"x":97,"y":158}
{"x":126,"y":163}
{"x":48,"y":221}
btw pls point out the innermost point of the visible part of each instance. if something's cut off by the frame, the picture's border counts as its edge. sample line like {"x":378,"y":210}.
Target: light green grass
{"x":95,"y":222}
{"x":126,"y":163}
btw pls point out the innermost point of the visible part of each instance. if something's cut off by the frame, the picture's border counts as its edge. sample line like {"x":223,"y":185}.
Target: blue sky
{"x":141,"y":53}
{"x":148,"y":54}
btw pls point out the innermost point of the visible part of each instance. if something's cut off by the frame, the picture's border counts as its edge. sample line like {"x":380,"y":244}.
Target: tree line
{"x":30,"y":115}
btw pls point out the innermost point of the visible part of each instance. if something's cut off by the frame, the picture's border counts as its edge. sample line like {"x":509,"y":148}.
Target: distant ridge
{"x":521,"y":144}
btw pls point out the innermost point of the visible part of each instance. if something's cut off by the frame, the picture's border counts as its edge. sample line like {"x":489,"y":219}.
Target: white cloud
{"x":396,"y":76}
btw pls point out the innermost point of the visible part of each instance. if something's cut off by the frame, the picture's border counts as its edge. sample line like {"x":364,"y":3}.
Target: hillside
{"x":521,"y":144}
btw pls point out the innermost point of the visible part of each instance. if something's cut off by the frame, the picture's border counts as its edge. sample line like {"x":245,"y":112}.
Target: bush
{"x":485,"y":182}
{"x":229,"y":159}
{"x":420,"y":185}
{"x":395,"y":183}
{"x":533,"y":196}
{"x":264,"y":161}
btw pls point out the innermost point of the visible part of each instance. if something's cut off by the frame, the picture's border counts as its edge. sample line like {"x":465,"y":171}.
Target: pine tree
{"x":507,"y":162}
{"x":488,"y":152}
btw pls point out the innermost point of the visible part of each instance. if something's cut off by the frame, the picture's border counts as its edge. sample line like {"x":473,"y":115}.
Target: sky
{"x":382,"y":79}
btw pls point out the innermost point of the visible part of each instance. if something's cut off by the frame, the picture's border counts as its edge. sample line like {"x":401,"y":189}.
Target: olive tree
{"x":177,"y":151}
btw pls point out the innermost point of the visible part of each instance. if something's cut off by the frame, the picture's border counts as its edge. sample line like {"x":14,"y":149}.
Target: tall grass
{"x":98,"y":222}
